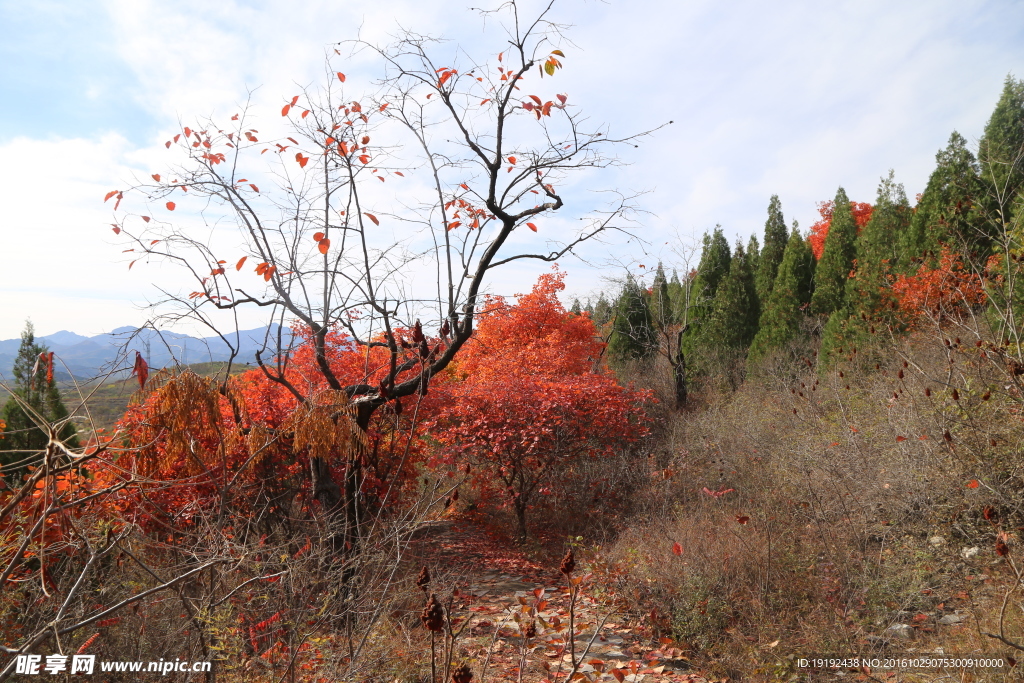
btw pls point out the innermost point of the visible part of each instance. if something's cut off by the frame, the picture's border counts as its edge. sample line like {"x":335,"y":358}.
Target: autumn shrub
{"x":819,"y":509}
{"x":529,"y":412}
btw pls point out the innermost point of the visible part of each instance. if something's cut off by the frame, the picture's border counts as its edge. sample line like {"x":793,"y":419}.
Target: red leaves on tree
{"x":171,"y":206}
{"x":140,"y":370}
{"x":949,"y":289}
{"x":819,"y":231}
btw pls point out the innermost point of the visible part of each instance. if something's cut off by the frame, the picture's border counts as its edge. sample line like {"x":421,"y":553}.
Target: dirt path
{"x":496,"y":583}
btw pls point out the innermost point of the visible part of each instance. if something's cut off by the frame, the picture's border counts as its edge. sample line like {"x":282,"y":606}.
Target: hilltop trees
{"x":775,"y":240}
{"x":633,"y":336}
{"x":785,"y":308}
{"x":836,"y":259}
{"x":36,"y":403}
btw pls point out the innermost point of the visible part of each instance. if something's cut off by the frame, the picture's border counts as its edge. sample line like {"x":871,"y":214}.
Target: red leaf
{"x":305,"y":113}
{"x":318,"y":236}
{"x":116,"y":229}
{"x":146,"y":218}
{"x":365,"y":158}
{"x":677,"y":548}
{"x":156,"y":177}
{"x":254,"y":188}
{"x":341,"y":77}
{"x":973,"y":484}
{"x":900,"y":438}
{"x":620,"y":674}
{"x":301,"y":159}
{"x":372,"y":218}
{"x":109,"y":195}
{"x":399,"y":173}
{"x":241,"y":262}
{"x":742,"y":519}
{"x":511,"y":160}
{"x":531,"y":226}
{"x":171,"y":206}
{"x":324,"y":245}
{"x":285,"y":109}
{"x":188,"y":132}
{"x":294,"y":100}
{"x":483,"y":102}
{"x":141,"y":370}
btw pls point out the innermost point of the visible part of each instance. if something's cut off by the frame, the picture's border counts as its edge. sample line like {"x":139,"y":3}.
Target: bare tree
{"x":479,"y":153}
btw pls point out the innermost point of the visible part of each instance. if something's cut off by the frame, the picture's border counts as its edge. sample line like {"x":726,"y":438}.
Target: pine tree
{"x":833,"y":269}
{"x":661,"y":300}
{"x":632,"y":335}
{"x":23,"y":440}
{"x":775,"y":242}
{"x":868,"y":297}
{"x":696,"y":305}
{"x":944,"y":215}
{"x":1001,"y":154}
{"x":791,"y":292}
{"x":602,"y":312}
{"x":733,"y":320}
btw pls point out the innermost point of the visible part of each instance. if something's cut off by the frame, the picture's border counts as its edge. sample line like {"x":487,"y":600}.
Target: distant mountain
{"x":87,"y":357}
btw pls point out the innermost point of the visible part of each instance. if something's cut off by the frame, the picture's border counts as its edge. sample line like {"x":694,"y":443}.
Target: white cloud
{"x":791,"y":98}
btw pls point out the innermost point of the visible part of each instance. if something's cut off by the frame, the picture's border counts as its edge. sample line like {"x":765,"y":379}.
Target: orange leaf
{"x":156,"y":177}
{"x":531,"y":226}
{"x":301,"y":159}
{"x":620,"y":674}
{"x":365,"y":158}
{"x":285,"y":109}
{"x":241,"y":262}
{"x":973,"y":484}
{"x":341,"y":77}
{"x":372,"y":218}
{"x":318,"y":236}
{"x":171,"y":206}
{"x":483,"y":102}
{"x":254,"y":188}
{"x":294,"y":100}
{"x":305,"y":113}
{"x":324,"y":245}
{"x":399,"y":173}
{"x":384,"y":106}
{"x":900,"y":438}
{"x":677,"y":548}
{"x":511,"y":160}
{"x":454,"y":224}
{"x":109,"y":195}
{"x":141,"y":368}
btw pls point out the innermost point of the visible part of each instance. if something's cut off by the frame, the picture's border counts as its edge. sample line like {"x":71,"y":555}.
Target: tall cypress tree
{"x":696,"y":308}
{"x":661,"y":300}
{"x":833,"y":269}
{"x":23,"y":440}
{"x":733,"y":320}
{"x":1001,"y":154}
{"x":944,"y":215}
{"x":633,"y":335}
{"x":868,"y":297}
{"x":790,"y":294}
{"x":775,"y":242}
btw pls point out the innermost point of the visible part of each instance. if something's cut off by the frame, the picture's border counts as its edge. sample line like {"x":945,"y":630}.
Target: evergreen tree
{"x":23,"y":440}
{"x":775,"y":242}
{"x":714,"y":264}
{"x":1001,"y":154}
{"x":602,"y":312}
{"x":943,"y":215}
{"x":733,"y":320}
{"x":868,"y":297}
{"x":676,"y":295}
{"x":833,"y":269}
{"x":576,"y":307}
{"x":661,"y":300}
{"x":696,"y":307}
{"x":790,"y":294}
{"x":632,"y":335}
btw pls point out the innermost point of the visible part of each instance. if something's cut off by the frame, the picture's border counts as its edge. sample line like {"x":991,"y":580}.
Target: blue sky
{"x":794,"y":98}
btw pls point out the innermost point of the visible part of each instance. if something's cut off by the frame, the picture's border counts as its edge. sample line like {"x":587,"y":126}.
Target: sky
{"x":791,"y":98}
